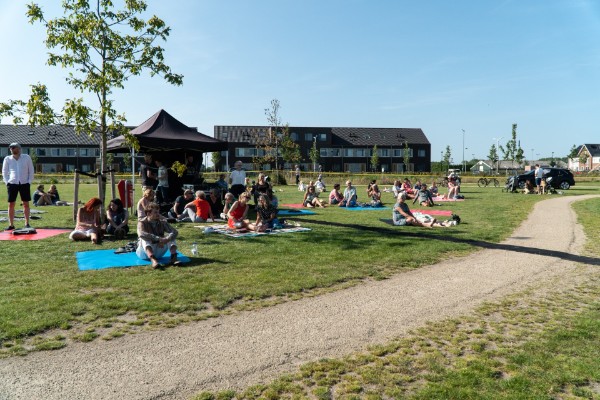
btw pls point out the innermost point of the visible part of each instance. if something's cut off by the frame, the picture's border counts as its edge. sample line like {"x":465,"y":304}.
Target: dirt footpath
{"x":242,"y":349}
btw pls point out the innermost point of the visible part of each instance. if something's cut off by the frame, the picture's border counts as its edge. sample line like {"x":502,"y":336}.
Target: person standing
{"x":162,"y":190}
{"x":17,"y":174}
{"x":237,"y":179}
{"x":539,"y":174}
{"x":148,"y":173}
{"x":297,"y":175}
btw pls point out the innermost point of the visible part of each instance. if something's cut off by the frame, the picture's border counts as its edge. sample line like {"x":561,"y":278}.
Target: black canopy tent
{"x":169,"y":140}
{"x":163,"y":133}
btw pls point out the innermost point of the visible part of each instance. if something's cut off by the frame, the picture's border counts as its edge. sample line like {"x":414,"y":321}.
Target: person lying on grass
{"x":424,"y":196}
{"x":311,"y":198}
{"x":236,"y":217}
{"x":266,"y":215}
{"x":88,"y":222}
{"x":156,"y":237}
{"x":401,"y":215}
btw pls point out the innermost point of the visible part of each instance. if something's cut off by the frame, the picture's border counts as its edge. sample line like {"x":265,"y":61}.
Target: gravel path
{"x":242,"y":349}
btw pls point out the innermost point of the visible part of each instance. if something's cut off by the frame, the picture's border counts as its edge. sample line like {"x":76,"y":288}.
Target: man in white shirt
{"x":237,"y":179}
{"x":17,"y":173}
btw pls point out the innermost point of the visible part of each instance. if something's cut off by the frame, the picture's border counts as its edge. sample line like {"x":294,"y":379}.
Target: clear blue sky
{"x":442,"y":66}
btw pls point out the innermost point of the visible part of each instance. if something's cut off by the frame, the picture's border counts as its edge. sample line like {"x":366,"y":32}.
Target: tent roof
{"x":162,"y":132}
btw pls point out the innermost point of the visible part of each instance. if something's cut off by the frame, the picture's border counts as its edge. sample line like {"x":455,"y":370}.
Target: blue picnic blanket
{"x":101,"y":259}
{"x":366,"y":208}
{"x":295,"y":211}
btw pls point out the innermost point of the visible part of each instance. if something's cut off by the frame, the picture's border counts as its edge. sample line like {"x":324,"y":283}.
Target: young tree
{"x":314,"y":154}
{"x":406,"y":156}
{"x":573,"y":152}
{"x":102,"y":47}
{"x":127,"y":161}
{"x":215,"y":158}
{"x":447,"y":156}
{"x":374,"y":159}
{"x":290,"y":150}
{"x":511,"y":150}
{"x":493,"y":156}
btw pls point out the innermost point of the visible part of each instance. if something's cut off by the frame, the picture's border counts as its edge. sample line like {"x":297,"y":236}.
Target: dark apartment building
{"x":340,"y":149}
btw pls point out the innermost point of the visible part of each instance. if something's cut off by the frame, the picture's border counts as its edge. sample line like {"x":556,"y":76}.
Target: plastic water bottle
{"x":195,"y":248}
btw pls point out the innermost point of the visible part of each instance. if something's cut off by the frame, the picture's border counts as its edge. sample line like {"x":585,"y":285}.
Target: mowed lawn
{"x":45,"y":301}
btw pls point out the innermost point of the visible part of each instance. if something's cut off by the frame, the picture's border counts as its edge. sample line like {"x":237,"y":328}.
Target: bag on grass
{"x":24,"y":231}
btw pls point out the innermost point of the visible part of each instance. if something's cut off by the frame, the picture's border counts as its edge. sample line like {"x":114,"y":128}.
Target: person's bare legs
{"x":11,"y":213}
{"x":26,"y":212}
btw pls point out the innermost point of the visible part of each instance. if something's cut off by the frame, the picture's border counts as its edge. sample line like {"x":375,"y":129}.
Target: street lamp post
{"x":225,"y":136}
{"x":463,"y":155}
{"x":315,"y":161}
{"x":441,"y":161}
{"x":497,"y":149}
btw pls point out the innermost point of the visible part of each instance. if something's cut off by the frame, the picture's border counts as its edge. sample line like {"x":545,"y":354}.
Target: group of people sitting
{"x":49,"y":198}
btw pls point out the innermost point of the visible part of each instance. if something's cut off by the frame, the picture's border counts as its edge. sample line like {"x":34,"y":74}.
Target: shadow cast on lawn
{"x":422,"y":234}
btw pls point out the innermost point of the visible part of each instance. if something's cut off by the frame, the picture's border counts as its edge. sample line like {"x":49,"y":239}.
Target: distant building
{"x":340,"y":149}
{"x":588,"y":152}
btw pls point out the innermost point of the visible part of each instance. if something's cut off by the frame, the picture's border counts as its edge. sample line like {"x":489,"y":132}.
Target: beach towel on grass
{"x":102,"y":259}
{"x":295,"y":212}
{"x":295,"y":205}
{"x":434,"y":212}
{"x":41,"y":234}
{"x":357,"y":208}
{"x":443,"y":199}
{"x":225,"y":230}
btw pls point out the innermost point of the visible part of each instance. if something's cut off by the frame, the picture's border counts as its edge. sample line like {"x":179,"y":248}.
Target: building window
{"x":55,"y":152}
{"x":85,"y":168}
{"x":40,"y":152}
{"x":71,"y":152}
{"x":3,"y":152}
{"x":294,"y":136}
{"x":323,"y":152}
{"x":322,"y":137}
{"x":83,"y":153}
{"x":70,"y":168}
{"x":96,"y":152}
{"x":308,"y":137}
{"x":359,"y":153}
{"x":421,"y":153}
{"x":383,"y":152}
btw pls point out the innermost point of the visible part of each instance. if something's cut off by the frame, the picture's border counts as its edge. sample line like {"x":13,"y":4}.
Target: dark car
{"x":561,"y":178}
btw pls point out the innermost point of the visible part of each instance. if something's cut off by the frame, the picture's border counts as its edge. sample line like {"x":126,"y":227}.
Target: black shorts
{"x":22,"y":189}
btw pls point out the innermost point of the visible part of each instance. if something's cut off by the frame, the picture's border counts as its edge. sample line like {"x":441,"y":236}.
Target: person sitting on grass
{"x":117,"y":218}
{"x":156,"y":237}
{"x":229,"y":200}
{"x":397,"y":188}
{"x":272,"y":198}
{"x":350,"y":196}
{"x":434,"y":189}
{"x":402,"y":216}
{"x":236,"y":217}
{"x":41,"y":198}
{"x":177,"y":210}
{"x":375,"y":195}
{"x":197,"y":210}
{"x":311,"y":199}
{"x":453,"y":186}
{"x":424,"y":197}
{"x":266,"y":215}
{"x":214,"y":200}
{"x":88,"y":222}
{"x":407,"y":188}
{"x":53,"y":192}
{"x":319,"y":185}
{"x":335,"y":197}
{"x":147,"y":198}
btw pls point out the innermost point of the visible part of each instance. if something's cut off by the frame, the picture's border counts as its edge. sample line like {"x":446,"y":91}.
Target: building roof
{"x":379,"y":136}
{"x":45,"y":136}
{"x":594,"y":149}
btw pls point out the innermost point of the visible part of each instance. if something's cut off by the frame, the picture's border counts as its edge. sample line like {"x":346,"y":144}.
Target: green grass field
{"x":45,"y":302}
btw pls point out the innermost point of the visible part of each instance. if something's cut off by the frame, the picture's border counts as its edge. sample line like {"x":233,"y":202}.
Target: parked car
{"x":561,"y":178}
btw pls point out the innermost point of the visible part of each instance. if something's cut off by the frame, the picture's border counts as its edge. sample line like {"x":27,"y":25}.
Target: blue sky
{"x":442,"y":66}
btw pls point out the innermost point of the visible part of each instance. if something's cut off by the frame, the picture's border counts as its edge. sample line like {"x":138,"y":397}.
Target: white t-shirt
{"x":238,"y":177}
{"x":163,"y":176}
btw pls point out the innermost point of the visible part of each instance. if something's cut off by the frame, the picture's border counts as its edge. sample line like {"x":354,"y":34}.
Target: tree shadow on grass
{"x":420,"y":233}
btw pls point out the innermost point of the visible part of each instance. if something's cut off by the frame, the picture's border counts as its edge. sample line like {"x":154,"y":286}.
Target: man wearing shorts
{"x":17,"y":173}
